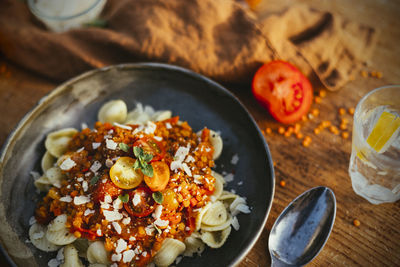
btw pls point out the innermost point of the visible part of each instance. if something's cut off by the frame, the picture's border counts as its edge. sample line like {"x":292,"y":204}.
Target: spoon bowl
{"x":302,"y":229}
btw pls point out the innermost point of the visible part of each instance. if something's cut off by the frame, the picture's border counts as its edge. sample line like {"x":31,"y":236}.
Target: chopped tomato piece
{"x":282,"y":89}
{"x":141,"y":202}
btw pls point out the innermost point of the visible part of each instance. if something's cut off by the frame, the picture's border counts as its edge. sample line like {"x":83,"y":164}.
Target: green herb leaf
{"x":137,"y":151}
{"x":94,"y":180}
{"x":136,"y":165}
{"x":124,"y":147}
{"x":142,"y":161}
{"x":100,"y":23}
{"x":147,"y":170}
{"x":158,"y":229}
{"x":158,"y":197}
{"x":147,"y":157}
{"x":124,"y":198}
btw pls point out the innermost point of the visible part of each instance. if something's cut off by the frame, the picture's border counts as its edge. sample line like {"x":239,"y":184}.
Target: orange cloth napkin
{"x":218,"y":38}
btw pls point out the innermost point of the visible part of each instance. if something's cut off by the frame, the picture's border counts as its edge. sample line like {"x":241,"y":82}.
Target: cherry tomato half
{"x":144,"y":201}
{"x":107,"y":188}
{"x":151,"y":146}
{"x":123,"y":174}
{"x":282,"y":89}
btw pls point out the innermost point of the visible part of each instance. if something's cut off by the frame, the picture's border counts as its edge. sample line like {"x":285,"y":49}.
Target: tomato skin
{"x":283,"y":90}
{"x":107,"y":188}
{"x":150,"y":145}
{"x":146,"y":205}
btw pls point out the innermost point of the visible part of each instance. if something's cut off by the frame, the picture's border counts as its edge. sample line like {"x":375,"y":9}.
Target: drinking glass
{"x":375,"y":158}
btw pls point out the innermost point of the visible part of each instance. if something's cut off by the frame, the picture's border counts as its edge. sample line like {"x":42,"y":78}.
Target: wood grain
{"x":376,"y":242}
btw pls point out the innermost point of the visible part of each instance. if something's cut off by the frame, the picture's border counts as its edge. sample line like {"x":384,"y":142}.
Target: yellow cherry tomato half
{"x":123,"y":174}
{"x":160,"y":176}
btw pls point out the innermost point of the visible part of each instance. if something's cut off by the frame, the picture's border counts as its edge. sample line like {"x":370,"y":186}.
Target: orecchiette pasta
{"x":216,"y":214}
{"x":57,"y":232}
{"x":161,"y":115}
{"x":43,"y":183}
{"x":113,"y":111}
{"x":56,"y":142}
{"x":81,"y":244}
{"x":216,"y":239}
{"x":193,"y":245}
{"x":219,"y":185}
{"x":168,"y":252}
{"x":71,"y":258}
{"x":37,"y":235}
{"x":47,"y":161}
{"x":96,"y":253}
{"x":55,"y":176}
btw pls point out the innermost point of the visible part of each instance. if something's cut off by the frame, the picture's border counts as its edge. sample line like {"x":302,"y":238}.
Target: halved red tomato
{"x":151,"y":146}
{"x":282,"y":89}
{"x":144,"y":201}
{"x":107,"y":188}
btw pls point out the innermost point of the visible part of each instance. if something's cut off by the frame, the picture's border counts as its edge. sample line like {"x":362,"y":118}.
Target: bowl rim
{"x":37,"y":12}
{"x":146,"y":65}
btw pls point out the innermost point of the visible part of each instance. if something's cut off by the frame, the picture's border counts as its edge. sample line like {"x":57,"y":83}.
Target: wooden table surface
{"x":376,"y":242}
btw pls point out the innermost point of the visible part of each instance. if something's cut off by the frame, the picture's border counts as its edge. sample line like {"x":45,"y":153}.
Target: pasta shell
{"x":161,"y":115}
{"x":97,"y":253}
{"x":170,"y":249}
{"x":43,"y":184}
{"x":37,"y":235}
{"x":47,"y":161}
{"x":137,"y":117}
{"x":55,"y":176}
{"x":71,"y":258}
{"x":57,"y":142}
{"x":215,"y":215}
{"x":193,"y":245}
{"x":216,"y":239}
{"x":113,"y":111}
{"x":217,"y":143}
{"x":218,"y":227}
{"x":81,"y":244}
{"x":57,"y":223}
{"x":60,"y":237}
{"x":227,"y":196}
{"x":219,"y":184}
{"x":200,"y":216}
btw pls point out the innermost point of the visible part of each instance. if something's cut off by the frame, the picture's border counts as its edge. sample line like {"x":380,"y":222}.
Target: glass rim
{"x":40,"y":14}
{"x":362,"y":100}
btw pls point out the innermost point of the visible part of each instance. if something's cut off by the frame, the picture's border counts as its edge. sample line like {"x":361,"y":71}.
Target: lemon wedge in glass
{"x":384,"y":132}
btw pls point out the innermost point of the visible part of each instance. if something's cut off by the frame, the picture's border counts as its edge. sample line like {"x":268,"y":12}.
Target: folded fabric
{"x":220,"y":39}
{"x":331,"y":46}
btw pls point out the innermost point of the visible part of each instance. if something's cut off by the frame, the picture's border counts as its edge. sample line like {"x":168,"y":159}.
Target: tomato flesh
{"x":282,"y":89}
{"x":144,"y":207}
{"x":107,"y":188}
{"x":151,"y":146}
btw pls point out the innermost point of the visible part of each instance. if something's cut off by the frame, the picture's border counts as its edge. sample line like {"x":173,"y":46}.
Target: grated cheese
{"x":79,"y":200}
{"x":110,"y":144}
{"x":117,"y":227}
{"x":66,"y":199}
{"x":112,"y":215}
{"x":128,"y":255}
{"x":126,"y":127}
{"x":95,"y":166}
{"x":121,"y":245}
{"x":67,"y":164}
{"x":95,"y":145}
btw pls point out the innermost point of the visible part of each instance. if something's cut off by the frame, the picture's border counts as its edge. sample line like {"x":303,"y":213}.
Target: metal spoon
{"x":302,"y":229}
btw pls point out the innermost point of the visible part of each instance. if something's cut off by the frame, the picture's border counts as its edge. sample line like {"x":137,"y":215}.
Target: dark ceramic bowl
{"x":193,"y":97}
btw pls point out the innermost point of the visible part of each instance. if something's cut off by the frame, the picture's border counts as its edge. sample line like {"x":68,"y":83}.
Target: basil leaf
{"x":147,"y":170}
{"x":137,"y":151}
{"x":124,"y":198}
{"x":136,"y":165}
{"x":124,"y":147}
{"x":158,"y":197}
{"x":94,"y":180}
{"x":147,"y":157}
